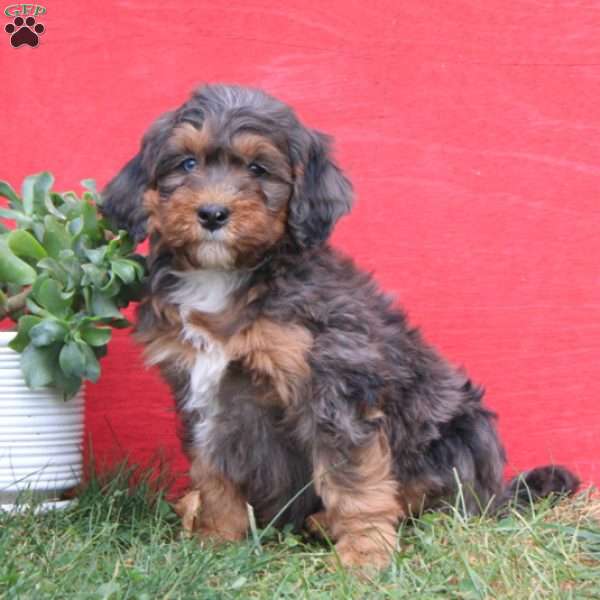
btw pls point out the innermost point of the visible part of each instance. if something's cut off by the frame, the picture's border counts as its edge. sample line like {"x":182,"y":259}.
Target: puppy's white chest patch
{"x":205,"y":377}
{"x":205,"y":291}
{"x":203,"y":395}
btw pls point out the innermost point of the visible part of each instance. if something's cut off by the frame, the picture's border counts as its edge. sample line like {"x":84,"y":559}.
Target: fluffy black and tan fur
{"x":288,"y":365}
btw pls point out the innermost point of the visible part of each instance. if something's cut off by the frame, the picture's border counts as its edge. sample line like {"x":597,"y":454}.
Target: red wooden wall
{"x":470,"y":129}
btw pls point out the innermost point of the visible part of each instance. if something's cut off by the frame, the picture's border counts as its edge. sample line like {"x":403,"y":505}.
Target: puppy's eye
{"x":256,"y":169}
{"x":189,"y":164}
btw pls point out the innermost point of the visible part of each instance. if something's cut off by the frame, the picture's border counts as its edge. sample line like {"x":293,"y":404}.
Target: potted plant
{"x":65,"y":276}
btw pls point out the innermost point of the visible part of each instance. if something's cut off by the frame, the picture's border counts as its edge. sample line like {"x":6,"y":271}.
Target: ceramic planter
{"x":41,"y":436}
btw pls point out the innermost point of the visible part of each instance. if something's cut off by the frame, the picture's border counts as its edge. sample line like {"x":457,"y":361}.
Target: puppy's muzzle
{"x":213,"y":216}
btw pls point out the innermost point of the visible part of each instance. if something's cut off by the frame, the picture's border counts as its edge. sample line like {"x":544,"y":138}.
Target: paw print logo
{"x":24,"y":32}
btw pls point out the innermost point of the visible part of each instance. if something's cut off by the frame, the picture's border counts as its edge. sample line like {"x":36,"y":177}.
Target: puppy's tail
{"x":530,"y":486}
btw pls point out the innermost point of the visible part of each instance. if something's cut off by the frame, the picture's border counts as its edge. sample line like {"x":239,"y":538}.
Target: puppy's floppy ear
{"x":122,"y":199}
{"x":322,"y":193}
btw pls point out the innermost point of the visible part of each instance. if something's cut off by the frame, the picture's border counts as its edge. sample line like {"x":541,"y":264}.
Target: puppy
{"x":301,"y":389}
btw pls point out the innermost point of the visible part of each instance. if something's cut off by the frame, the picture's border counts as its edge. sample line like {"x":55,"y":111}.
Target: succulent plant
{"x":65,"y":276}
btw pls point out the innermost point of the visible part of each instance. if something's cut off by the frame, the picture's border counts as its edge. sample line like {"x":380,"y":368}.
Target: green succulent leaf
{"x":48,"y":295}
{"x":96,"y":336}
{"x":38,"y":230}
{"x":139,"y":266}
{"x":35,"y":190}
{"x":69,"y":385}
{"x":15,"y":215}
{"x":70,"y":205}
{"x":47,"y":332}
{"x":126,"y":270}
{"x":96,"y":255}
{"x":103,"y":306}
{"x":71,"y":266}
{"x":72,"y":360}
{"x":27,"y":194}
{"x":22,"y":243}
{"x":49,"y":200}
{"x":93,"y":275}
{"x":75,"y":226}
{"x":90,"y":220}
{"x":12,"y":268}
{"x":127,"y":243}
{"x":21,"y":341}
{"x":114,"y":246}
{"x":77,"y":359}
{"x":58,"y":201}
{"x":10,"y":213}
{"x":38,"y":365}
{"x":35,"y":308}
{"x":55,"y":269}
{"x":111,"y":287}
{"x":56,"y":237}
{"x":90,"y":185}
{"x":92,"y":366}
{"x":38,"y":284}
{"x":6,"y":191}
{"x":95,"y":199}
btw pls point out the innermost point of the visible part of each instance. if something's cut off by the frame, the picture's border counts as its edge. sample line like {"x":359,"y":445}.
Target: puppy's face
{"x":227,"y":177}
{"x":221,"y":197}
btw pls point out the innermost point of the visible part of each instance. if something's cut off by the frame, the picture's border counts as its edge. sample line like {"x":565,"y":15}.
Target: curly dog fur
{"x":287,"y":363}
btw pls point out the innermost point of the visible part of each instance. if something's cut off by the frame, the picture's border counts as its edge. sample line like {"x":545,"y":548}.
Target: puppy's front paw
{"x":188,"y":508}
{"x":317,"y":525}
{"x":197,"y":519}
{"x":365,"y":552}
{"x":219,"y":535}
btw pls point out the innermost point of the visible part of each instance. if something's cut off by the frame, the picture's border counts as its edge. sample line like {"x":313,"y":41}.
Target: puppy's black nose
{"x":213,"y":216}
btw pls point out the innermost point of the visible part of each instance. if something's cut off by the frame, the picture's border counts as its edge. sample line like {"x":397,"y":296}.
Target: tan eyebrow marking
{"x":187,"y":138}
{"x":251,"y":144}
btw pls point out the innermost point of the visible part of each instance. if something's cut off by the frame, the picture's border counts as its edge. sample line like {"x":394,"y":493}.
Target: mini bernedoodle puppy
{"x":287,"y":363}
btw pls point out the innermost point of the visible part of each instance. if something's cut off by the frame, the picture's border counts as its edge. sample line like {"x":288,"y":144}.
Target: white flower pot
{"x":41,"y":436}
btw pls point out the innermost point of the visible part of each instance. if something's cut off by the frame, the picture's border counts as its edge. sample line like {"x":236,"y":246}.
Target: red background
{"x":470,"y":129}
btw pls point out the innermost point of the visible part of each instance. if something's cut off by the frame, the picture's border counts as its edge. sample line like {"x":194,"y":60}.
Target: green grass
{"x":126,"y":543}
